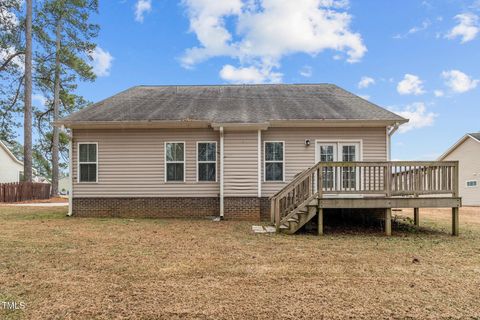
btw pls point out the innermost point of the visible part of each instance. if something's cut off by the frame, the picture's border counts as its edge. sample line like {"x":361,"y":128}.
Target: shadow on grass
{"x":32,"y":214}
{"x":369,"y":223}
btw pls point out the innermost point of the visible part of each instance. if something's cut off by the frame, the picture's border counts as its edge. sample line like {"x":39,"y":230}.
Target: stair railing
{"x":361,"y":178}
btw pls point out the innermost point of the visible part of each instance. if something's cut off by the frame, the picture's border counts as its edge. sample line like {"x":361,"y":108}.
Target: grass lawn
{"x":78,"y":268}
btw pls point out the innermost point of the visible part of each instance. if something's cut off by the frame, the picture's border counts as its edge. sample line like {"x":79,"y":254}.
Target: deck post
{"x":388,"y":221}
{"x":455,"y":221}
{"x":416,"y":216}
{"x":320,"y":221}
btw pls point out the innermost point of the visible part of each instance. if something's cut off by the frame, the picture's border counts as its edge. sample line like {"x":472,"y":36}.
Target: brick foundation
{"x":265,"y":209}
{"x":171,"y":207}
{"x":242,"y":208}
{"x":235,"y":208}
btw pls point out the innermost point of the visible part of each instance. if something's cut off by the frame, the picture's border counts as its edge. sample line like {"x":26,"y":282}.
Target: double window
{"x":175,"y":161}
{"x":87,"y":162}
{"x":274,"y":160}
{"x":207,"y":161}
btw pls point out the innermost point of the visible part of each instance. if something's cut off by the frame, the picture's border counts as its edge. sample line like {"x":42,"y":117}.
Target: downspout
{"x":390,"y":131}
{"x":221,"y":173}
{"x":259,"y":155}
{"x":70,"y":172}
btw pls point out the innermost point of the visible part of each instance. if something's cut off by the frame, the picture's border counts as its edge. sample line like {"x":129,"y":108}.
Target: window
{"x":87,"y":162}
{"x":349,"y":177}
{"x":175,"y":161}
{"x":471,"y":183}
{"x":207,"y":161}
{"x":327,"y":154}
{"x":274,"y":161}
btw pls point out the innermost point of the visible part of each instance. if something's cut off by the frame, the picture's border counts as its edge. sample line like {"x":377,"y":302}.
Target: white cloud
{"x":424,"y":26}
{"x":364,"y":96}
{"x":467,"y":28}
{"x":8,"y":17}
{"x":40,"y":99}
{"x":458,"y":81}
{"x":249,"y":75}
{"x":142,"y":7}
{"x":417,"y":115}
{"x":411,"y":84}
{"x":306,"y":71}
{"x":439,"y":93}
{"x":365,"y":82}
{"x":6,"y":53}
{"x":264,"y":31}
{"x":102,"y":62}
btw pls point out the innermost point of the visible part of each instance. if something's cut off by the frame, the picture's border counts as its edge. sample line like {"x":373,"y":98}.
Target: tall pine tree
{"x":11,"y":67}
{"x":65,"y":33}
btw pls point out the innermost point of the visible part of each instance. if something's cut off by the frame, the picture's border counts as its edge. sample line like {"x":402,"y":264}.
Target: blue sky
{"x":418,"y":58}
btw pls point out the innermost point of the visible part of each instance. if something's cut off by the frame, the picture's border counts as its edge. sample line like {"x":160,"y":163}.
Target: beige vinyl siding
{"x":468,"y":155}
{"x":299,"y":157}
{"x":131,"y":163}
{"x":241,"y":164}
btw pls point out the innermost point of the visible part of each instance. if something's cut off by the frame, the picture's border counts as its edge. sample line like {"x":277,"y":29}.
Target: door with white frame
{"x":343,"y":178}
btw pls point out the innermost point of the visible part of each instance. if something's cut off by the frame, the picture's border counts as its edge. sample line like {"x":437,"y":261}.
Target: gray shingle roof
{"x":234,"y":104}
{"x":476,"y":135}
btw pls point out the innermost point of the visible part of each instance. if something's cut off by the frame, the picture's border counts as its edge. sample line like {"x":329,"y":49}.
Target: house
{"x":64,"y":185}
{"x":467,"y":152}
{"x":11,"y":169}
{"x":238,"y":152}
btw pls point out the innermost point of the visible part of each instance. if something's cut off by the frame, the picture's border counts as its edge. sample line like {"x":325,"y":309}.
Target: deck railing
{"x":354,"y":179}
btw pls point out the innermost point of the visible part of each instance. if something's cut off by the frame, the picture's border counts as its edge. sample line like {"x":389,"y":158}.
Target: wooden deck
{"x":375,"y":185}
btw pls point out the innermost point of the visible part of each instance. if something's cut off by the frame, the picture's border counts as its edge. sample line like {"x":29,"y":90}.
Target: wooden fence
{"x":24,"y":191}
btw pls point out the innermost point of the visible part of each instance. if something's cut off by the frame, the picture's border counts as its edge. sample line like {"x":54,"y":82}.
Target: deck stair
{"x":383,"y":185}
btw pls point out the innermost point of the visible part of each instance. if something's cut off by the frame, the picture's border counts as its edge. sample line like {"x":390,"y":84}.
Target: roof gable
{"x":9,"y":153}
{"x":474,"y":136}
{"x":233,"y":104}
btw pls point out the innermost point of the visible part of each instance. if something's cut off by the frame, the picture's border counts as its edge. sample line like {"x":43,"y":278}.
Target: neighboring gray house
{"x":182,"y":151}
{"x":467,"y":152}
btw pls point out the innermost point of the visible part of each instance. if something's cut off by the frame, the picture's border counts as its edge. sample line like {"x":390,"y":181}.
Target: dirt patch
{"x":70,"y":268}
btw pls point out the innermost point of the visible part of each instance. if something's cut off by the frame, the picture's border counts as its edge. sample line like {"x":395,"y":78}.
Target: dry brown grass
{"x":71,"y":268}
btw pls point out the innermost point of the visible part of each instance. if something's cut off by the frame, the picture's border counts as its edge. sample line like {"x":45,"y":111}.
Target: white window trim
{"x":475,"y":186}
{"x":338,"y":149}
{"x":184,"y":161}
{"x":78,"y":162}
{"x":265,"y":162}
{"x":198,"y":161}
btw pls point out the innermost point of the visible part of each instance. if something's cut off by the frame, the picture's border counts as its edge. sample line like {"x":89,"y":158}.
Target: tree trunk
{"x":27,"y":122}
{"x":56,"y":104}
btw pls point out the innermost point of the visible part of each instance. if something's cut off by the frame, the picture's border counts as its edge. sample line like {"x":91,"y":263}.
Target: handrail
{"x":390,"y":178}
{"x":295,"y":179}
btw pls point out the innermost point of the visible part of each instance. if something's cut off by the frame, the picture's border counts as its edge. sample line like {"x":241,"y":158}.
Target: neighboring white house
{"x":64,"y":185}
{"x":467,"y":152}
{"x":11,"y":169}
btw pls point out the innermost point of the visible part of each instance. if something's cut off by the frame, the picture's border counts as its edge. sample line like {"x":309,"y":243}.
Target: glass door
{"x":349,"y":177}
{"x":328,"y":153}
